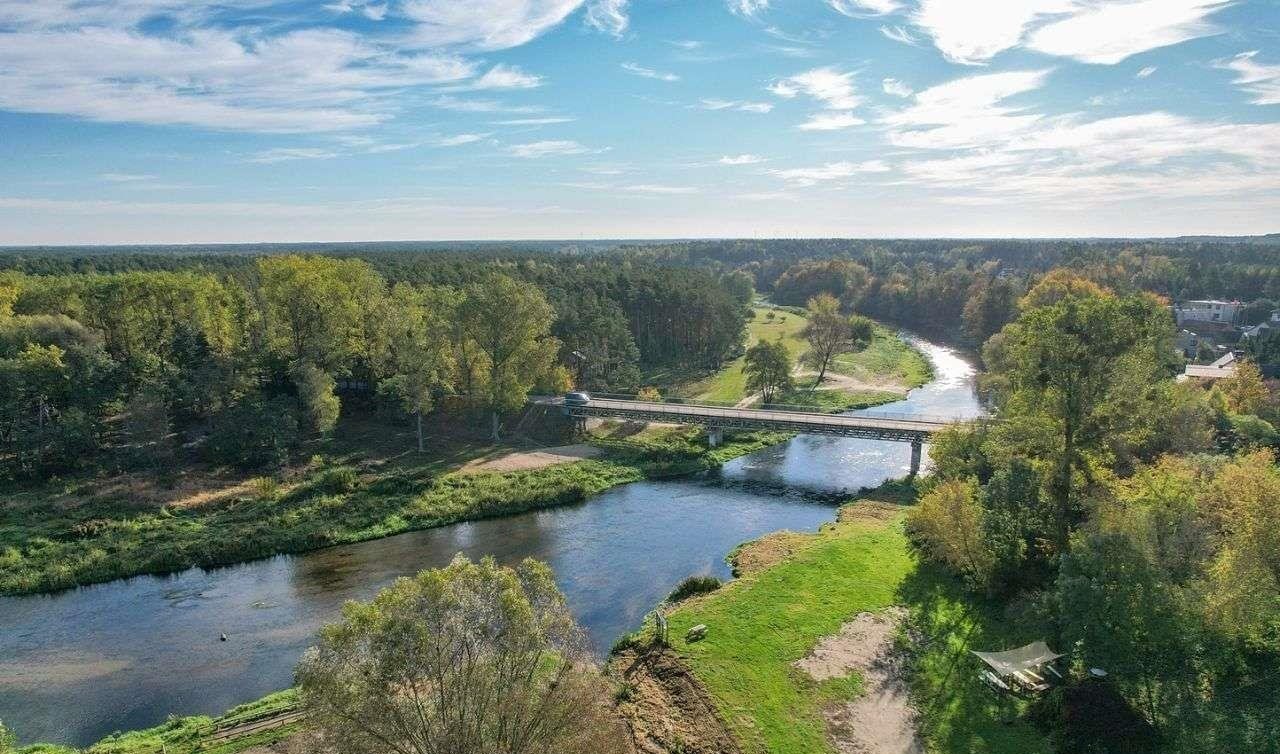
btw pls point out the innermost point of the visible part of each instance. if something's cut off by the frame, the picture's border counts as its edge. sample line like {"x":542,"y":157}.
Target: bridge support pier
{"x":715,"y":436}
{"x":917,"y":451}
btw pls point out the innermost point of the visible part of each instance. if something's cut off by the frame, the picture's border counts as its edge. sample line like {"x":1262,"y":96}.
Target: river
{"x":77,"y":665}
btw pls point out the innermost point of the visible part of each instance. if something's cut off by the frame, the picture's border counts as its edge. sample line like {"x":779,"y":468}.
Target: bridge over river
{"x":914,"y":429}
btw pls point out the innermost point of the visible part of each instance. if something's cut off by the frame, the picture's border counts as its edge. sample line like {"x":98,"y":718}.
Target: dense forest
{"x":239,"y":357}
{"x":1131,"y":518}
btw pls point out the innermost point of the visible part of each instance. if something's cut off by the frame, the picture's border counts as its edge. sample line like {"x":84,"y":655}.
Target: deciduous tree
{"x":768,"y":369}
{"x":473,"y":658}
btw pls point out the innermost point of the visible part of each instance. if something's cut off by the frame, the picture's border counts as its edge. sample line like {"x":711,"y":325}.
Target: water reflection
{"x":78,"y":665}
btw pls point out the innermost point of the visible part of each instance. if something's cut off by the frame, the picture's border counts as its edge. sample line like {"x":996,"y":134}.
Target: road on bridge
{"x":914,"y":430}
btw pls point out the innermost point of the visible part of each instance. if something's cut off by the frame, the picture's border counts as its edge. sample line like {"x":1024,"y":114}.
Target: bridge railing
{"x":747,"y":411}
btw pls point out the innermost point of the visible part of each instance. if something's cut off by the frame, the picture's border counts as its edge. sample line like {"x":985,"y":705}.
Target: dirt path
{"x":532,"y":459}
{"x":882,"y":719}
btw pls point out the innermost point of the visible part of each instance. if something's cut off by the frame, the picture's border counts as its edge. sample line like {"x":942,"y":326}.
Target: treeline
{"x":241,"y":361}
{"x":1131,"y":519}
{"x":964,"y":290}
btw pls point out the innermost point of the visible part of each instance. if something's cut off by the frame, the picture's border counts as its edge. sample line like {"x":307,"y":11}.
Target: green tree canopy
{"x":473,"y":658}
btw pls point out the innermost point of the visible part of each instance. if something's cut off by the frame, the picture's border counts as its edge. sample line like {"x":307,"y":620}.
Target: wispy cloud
{"x":831,"y":171}
{"x":638,"y":70}
{"x":608,"y":16}
{"x":830,"y":122}
{"x":860,"y":8}
{"x":1091,"y":32}
{"x":649,"y":188}
{"x":896,"y":88}
{"x":833,"y":88}
{"x":547,"y":148}
{"x":1145,"y":72}
{"x":748,"y":8}
{"x":899,"y":34}
{"x":533,"y":121}
{"x":742,"y":159}
{"x":464,"y":105}
{"x":505,"y":77}
{"x":286,"y":154}
{"x":1260,"y":80}
{"x":745,"y":106}
{"x":125,"y":177}
{"x":458,"y":140}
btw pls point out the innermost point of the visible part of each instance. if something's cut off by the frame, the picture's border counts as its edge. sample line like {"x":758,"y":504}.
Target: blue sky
{"x":171,"y":121}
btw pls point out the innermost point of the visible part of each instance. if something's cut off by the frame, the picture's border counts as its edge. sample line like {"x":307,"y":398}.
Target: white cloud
{"x":608,"y":16}
{"x":898,"y":34}
{"x":285,"y":154}
{"x":1145,"y":72}
{"x":859,"y":8}
{"x":686,"y":44}
{"x":748,"y":8}
{"x":532,"y":121}
{"x":965,"y":112}
{"x":896,"y":88}
{"x":1107,"y":33}
{"x":648,"y":73}
{"x":484,"y":24}
{"x":1092,"y":31}
{"x":745,"y":106}
{"x":459,"y":140}
{"x":1258,"y":79}
{"x":830,"y":121}
{"x":535,"y":149}
{"x":829,"y":86}
{"x":831,"y":171}
{"x":448,"y":102}
{"x":303,"y":81}
{"x":974,"y":32}
{"x":505,"y":77}
{"x":742,"y":159}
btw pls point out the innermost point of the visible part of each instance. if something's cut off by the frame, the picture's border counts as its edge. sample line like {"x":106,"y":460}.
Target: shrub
{"x":338,"y":480}
{"x":693,"y":585}
{"x":265,"y":487}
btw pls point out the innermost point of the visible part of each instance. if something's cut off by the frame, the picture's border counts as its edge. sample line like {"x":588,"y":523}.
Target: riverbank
{"x":802,"y":638}
{"x":48,"y":542}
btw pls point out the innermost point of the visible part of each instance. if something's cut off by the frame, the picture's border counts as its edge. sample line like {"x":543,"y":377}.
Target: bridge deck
{"x":876,"y":427}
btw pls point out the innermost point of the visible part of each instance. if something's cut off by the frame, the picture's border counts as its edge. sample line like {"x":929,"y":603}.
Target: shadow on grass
{"x":958,"y":713}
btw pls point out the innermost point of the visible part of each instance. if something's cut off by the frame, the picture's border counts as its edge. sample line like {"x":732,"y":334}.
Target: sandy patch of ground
{"x":882,"y":719}
{"x":844,"y":382}
{"x":667,"y":708}
{"x":532,"y":459}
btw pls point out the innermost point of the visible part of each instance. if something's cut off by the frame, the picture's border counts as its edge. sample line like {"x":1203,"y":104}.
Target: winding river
{"x":78,"y":665}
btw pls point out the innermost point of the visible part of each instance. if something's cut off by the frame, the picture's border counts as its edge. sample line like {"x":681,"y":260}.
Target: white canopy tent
{"x":1013,"y":661}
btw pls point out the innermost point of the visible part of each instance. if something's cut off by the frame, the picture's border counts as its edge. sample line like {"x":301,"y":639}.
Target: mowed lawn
{"x":762,"y":623}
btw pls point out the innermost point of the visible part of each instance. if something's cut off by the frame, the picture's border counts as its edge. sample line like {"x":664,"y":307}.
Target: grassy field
{"x":886,"y":361}
{"x":730,"y":383}
{"x":886,"y":358}
{"x":50,"y":539}
{"x":762,"y":623}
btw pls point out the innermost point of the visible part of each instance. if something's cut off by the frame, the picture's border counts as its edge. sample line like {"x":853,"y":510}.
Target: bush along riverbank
{"x":47,"y":547}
